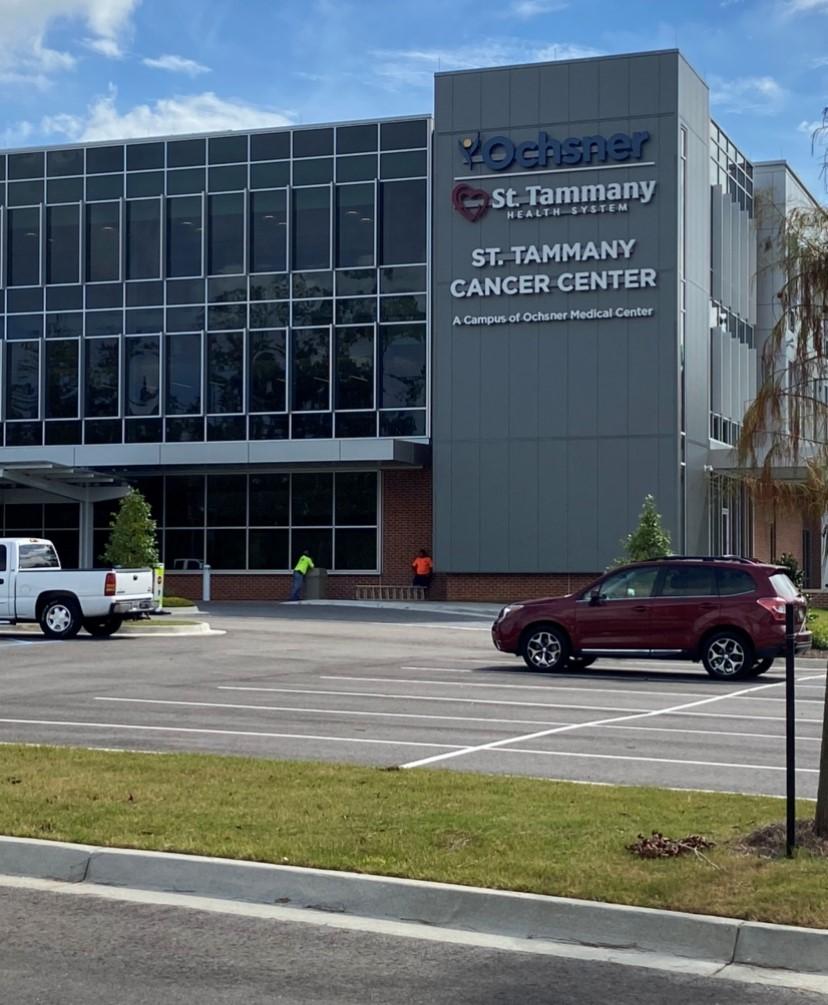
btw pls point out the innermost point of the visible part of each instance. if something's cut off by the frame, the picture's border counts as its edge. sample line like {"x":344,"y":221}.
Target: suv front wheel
{"x":728,"y":655}
{"x":545,"y":647}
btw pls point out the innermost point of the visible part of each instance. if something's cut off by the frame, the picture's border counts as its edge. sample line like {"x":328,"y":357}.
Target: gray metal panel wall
{"x":548,"y":434}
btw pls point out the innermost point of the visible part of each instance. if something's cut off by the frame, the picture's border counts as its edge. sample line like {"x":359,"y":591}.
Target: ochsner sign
{"x":500,"y":152}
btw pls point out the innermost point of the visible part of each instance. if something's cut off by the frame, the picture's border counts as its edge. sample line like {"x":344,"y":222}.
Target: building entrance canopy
{"x":46,"y":481}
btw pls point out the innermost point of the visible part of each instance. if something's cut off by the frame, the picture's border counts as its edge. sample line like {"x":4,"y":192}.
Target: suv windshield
{"x":783,"y":585}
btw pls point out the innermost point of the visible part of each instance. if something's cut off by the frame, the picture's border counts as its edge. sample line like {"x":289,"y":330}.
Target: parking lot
{"x":405,"y":689}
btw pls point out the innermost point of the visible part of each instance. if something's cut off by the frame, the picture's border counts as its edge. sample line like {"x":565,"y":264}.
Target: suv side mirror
{"x":596,"y":597}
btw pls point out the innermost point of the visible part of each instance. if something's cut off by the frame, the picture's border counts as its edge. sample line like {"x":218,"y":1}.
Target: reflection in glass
{"x":141,"y":376}
{"x":184,"y":500}
{"x":356,"y":549}
{"x":225,"y":234}
{"x":225,"y":364}
{"x":103,"y":242}
{"x":184,"y":231}
{"x":143,"y":239}
{"x":403,"y":218}
{"x":22,"y":380}
{"x":269,"y":500}
{"x":354,"y":368}
{"x":312,"y":228}
{"x":268,"y":231}
{"x":311,"y":362}
{"x":268,"y":549}
{"x":23,"y":266}
{"x":226,"y":501}
{"x":354,"y":225}
{"x":62,"y":379}
{"x":183,"y":376}
{"x":356,"y":498}
{"x":403,"y":355}
{"x":312,"y":499}
{"x":101,"y":397}
{"x":62,"y":244}
{"x":267,"y":371}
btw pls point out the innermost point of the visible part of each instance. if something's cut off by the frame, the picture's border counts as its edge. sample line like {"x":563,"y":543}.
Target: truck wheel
{"x":102,"y":628}
{"x":60,"y":619}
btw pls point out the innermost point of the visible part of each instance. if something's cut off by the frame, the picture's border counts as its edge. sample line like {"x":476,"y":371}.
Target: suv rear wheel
{"x":761,"y":666}
{"x":728,"y":655}
{"x":545,"y":647}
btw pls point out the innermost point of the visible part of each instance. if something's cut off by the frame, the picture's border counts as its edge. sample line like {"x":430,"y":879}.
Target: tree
{"x":786,"y":426}
{"x":649,"y":539}
{"x":132,"y":538}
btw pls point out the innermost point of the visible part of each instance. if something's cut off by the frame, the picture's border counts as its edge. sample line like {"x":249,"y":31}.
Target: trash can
{"x":316,"y":584}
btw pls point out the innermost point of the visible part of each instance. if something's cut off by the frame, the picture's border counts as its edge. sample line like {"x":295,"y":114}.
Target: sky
{"x":73,"y":70}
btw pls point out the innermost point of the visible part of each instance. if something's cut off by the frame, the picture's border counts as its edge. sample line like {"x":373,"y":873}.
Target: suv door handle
{"x":708,"y":607}
{"x":640,"y":609}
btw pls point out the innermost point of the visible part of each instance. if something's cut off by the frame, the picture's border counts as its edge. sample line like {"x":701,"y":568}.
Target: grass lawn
{"x":818,"y":623}
{"x":492,"y":831}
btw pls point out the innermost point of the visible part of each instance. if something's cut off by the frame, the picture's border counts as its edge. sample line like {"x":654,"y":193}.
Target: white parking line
{"x":221,"y":732}
{"x":582,"y":725}
{"x":654,"y":760}
{"x":553,"y":687}
{"x":333,"y":711}
{"x":447,"y":718}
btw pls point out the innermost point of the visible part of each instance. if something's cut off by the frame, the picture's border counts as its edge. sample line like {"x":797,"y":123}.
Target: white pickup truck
{"x":33,"y":587}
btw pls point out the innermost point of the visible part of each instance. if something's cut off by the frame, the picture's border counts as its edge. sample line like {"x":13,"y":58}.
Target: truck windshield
{"x":38,"y":556}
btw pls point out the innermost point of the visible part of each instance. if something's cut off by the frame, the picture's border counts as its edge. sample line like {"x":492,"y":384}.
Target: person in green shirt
{"x":300,"y":570}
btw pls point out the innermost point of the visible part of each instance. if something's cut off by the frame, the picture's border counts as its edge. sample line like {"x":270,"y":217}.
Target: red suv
{"x":727,"y":612}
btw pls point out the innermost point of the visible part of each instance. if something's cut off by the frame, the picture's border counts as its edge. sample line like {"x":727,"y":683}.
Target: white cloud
{"x":416,"y":67}
{"x":194,"y":113}
{"x":755,"y":95}
{"x":176,"y":64}
{"x":806,"y":6}
{"x":26,"y":57}
{"x":526,"y":9}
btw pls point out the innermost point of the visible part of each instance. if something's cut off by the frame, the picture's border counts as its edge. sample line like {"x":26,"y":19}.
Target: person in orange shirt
{"x":423,"y":569}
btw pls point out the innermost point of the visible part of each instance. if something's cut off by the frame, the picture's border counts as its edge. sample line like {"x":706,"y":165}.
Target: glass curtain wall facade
{"x":259,"y":286}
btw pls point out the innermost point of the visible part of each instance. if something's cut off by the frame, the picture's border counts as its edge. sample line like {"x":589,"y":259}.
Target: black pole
{"x":790,"y":727}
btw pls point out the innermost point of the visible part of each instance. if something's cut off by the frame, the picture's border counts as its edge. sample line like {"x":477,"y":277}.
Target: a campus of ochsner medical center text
{"x":489,"y":332}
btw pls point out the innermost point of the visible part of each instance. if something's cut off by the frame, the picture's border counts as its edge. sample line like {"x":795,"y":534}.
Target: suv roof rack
{"x":707,"y":558}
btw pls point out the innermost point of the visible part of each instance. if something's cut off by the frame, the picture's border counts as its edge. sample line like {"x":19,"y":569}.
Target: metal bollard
{"x":205,"y":583}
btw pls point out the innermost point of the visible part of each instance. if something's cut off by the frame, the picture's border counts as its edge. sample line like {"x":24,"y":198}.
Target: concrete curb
{"x":486,"y":612}
{"x":494,"y":912}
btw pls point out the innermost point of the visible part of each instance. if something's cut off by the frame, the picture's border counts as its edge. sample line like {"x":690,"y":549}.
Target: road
{"x":412,"y":689}
{"x":74,"y":949}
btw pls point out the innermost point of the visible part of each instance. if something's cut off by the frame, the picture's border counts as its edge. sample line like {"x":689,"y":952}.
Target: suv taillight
{"x":109,"y":585}
{"x":775,"y":606}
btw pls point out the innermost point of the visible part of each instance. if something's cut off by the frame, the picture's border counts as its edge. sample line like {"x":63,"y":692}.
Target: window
{"x":311,"y":363}
{"x":312,"y":499}
{"x":141,"y":376}
{"x":354,"y":225}
{"x":268,"y":231}
{"x":62,"y":379}
{"x":784,"y":586}
{"x":225,"y":233}
{"x":183,"y":376}
{"x":354,"y":368}
{"x":633,"y":584}
{"x":38,"y":556}
{"x":403,"y":217}
{"x":225,"y":366}
{"x":403,"y":349}
{"x":2,"y":558}
{"x":103,"y":244}
{"x":101,"y":377}
{"x":23,"y":267}
{"x":184,"y":231}
{"x":689,"y":581}
{"x":733,"y":582}
{"x":312,"y":228}
{"x":62,"y":244}
{"x":143,"y":239}
{"x":267,"y":371}
{"x":356,"y":499}
{"x":22,"y":380}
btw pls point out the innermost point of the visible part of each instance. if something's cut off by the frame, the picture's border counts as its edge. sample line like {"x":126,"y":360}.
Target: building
{"x":489,"y":332}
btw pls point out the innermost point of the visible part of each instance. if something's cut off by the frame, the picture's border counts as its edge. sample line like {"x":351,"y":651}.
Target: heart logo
{"x":472,"y":203}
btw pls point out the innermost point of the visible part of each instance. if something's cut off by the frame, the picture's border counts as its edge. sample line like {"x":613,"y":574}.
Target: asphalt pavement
{"x":416,"y":689}
{"x":75,"y":949}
